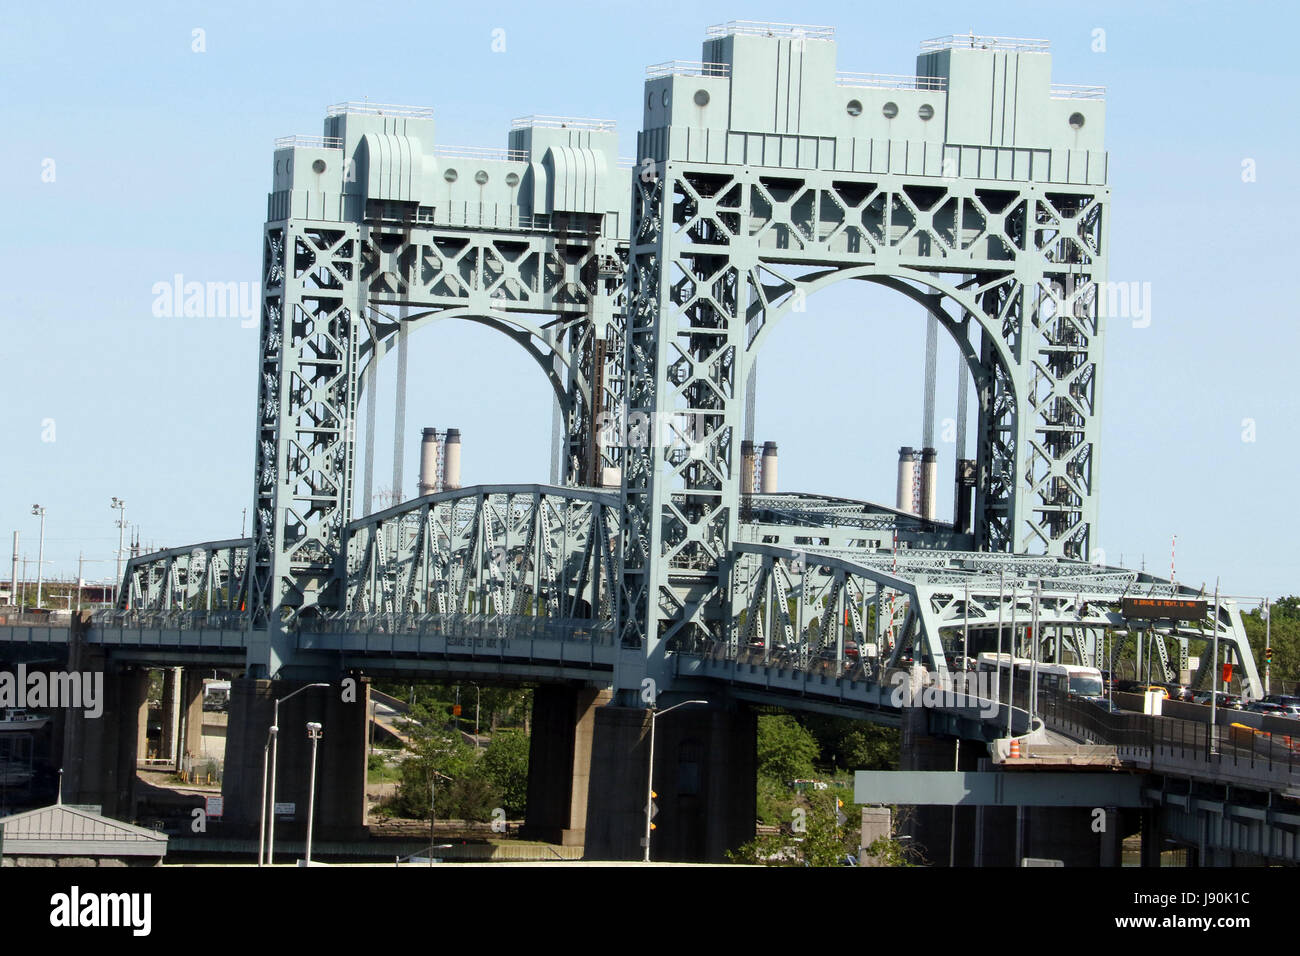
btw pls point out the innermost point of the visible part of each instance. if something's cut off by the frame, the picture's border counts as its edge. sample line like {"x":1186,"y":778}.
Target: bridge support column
{"x":559,"y":763}
{"x":705,"y":777}
{"x":191,"y":733}
{"x":101,"y":752}
{"x":931,"y":827}
{"x":341,"y":761}
{"x":169,"y":748}
{"x":142,"y":723}
{"x":1151,"y":838}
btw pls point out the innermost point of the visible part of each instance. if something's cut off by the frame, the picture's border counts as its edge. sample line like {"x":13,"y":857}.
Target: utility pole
{"x":120,"y":506}
{"x":40,"y":554}
{"x":13,"y":574}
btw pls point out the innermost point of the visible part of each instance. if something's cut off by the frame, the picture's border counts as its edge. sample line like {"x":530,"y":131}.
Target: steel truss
{"x":212,"y":576}
{"x":720,"y":254}
{"x":800,"y":607}
{"x":500,"y":551}
{"x":335,"y":294}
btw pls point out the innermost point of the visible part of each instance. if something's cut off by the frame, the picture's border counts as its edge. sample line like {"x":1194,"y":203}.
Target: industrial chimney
{"x":428,"y":462}
{"x":451,"y":461}
{"x":929,"y":482}
{"x":746,"y":467}
{"x":769,"y":468}
{"x":906,"y":478}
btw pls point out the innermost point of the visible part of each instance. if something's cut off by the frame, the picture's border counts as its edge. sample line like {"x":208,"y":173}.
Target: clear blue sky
{"x":162,"y":160}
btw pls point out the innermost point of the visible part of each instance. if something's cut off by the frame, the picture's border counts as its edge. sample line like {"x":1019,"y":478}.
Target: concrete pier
{"x":559,"y":763}
{"x":341,"y":761}
{"x":704,"y":775}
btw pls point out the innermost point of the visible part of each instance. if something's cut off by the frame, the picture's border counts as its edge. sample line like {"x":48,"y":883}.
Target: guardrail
{"x":764,"y":28}
{"x":172,"y":620}
{"x":309,"y":142}
{"x":1224,"y":751}
{"x":686,"y":68}
{"x":482,"y":152}
{"x":563,"y":122}
{"x":974,"y":41}
{"x":380,"y":109}
{"x":507,"y":627}
{"x":892,"y":81}
{"x":1067,"y":91}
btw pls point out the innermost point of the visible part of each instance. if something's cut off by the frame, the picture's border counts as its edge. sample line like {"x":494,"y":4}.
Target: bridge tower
{"x":976,"y":188}
{"x":374,"y":230}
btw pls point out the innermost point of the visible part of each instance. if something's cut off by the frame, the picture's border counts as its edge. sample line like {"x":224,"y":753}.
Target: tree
{"x":1284,"y":637}
{"x":814,"y":837}
{"x":434,"y":752}
{"x":505,"y":763}
{"x":786,"y":751}
{"x":853,"y":744}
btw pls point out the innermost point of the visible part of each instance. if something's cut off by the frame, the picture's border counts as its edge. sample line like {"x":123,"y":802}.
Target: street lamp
{"x":120,"y":505}
{"x":650,"y":773}
{"x":273,"y":745}
{"x":40,"y":555}
{"x":313,"y":734}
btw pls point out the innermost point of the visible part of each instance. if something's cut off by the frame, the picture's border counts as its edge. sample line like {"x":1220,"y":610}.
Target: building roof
{"x":63,"y":830}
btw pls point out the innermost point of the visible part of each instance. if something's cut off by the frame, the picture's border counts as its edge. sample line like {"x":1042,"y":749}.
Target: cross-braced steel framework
{"x":736,"y":226}
{"x":976,"y":189}
{"x":364,"y":238}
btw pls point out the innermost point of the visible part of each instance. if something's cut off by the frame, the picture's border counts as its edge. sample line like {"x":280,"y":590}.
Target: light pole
{"x":40,"y":554}
{"x":314,"y":734}
{"x":274,"y":733}
{"x":120,"y":505}
{"x":650,"y":771}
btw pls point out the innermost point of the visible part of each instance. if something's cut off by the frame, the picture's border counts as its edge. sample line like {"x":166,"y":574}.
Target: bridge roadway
{"x":527,"y":649}
{"x":509,"y":648}
{"x":1230,"y":793}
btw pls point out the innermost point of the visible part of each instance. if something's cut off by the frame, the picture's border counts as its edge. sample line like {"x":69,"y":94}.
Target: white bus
{"x":1071,"y":679}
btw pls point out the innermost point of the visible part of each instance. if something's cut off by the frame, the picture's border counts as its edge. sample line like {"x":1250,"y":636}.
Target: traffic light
{"x":1268,"y":655}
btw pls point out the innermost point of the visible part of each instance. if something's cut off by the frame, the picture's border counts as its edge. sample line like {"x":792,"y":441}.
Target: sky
{"x":139,"y":147}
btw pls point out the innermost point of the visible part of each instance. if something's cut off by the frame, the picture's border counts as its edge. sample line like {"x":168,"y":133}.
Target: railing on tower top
{"x":761,"y":28}
{"x":686,"y":68}
{"x":891,"y":81}
{"x":564,"y":122}
{"x":973,"y":41}
{"x":380,"y":109}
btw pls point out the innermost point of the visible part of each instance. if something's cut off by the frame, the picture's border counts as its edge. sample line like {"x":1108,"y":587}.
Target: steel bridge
{"x":976,"y":189}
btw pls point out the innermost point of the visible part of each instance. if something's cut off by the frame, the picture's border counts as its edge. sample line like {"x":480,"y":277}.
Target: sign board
{"x":215,"y":807}
{"x":285,"y":809}
{"x":1168,"y":609}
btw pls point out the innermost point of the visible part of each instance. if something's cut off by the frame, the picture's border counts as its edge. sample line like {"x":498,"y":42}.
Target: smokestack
{"x":13,"y":574}
{"x":906,"y":477}
{"x":746,"y":468}
{"x":451,"y":460}
{"x":428,"y":462}
{"x":929,"y":482}
{"x":769,"y":468}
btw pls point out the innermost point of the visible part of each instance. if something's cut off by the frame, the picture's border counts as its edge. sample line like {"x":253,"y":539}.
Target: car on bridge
{"x":1272,"y":709}
{"x":1230,"y":701}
